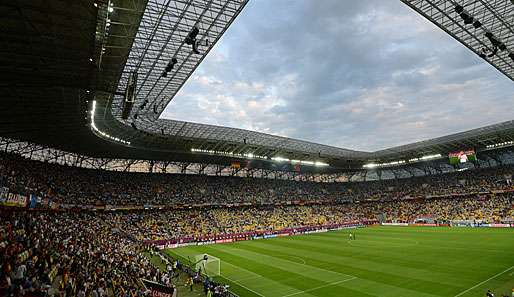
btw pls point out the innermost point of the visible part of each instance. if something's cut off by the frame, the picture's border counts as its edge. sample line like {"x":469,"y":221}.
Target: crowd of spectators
{"x":87,"y":253}
{"x":74,"y":254}
{"x":198,"y":223}
{"x":72,"y":185}
{"x":77,"y":254}
{"x":460,"y":182}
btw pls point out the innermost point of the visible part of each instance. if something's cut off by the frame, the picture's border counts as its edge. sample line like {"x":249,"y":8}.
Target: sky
{"x":363,"y":75}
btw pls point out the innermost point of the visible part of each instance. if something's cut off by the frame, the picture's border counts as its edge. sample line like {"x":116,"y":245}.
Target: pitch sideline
{"x":320,"y":287}
{"x":481,"y":283}
{"x":239,"y":284}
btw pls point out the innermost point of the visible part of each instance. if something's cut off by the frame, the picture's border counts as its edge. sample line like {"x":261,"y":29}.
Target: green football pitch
{"x":382,"y":261}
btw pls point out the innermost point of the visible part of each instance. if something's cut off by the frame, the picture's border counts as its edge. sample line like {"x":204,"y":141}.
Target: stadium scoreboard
{"x":462,"y":157}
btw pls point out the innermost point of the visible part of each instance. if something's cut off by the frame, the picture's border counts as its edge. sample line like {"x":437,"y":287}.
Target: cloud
{"x":364,"y":75}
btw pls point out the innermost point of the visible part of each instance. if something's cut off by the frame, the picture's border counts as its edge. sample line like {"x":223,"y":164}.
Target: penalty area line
{"x":241,"y":285}
{"x":481,"y":283}
{"x":320,"y":287}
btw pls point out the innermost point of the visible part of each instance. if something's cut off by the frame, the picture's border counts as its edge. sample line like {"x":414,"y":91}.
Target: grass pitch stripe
{"x":263,"y":284}
{"x":320,"y":287}
{"x":274,"y":267}
{"x":286,"y":276}
{"x":275,"y":261}
{"x":243,"y":286}
{"x":481,"y":283}
{"x":363,"y":264}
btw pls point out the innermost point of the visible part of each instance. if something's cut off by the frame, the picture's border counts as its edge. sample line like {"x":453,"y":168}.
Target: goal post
{"x":208,"y":265}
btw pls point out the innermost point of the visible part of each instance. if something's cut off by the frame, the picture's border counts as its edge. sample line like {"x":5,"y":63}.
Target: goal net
{"x":208,"y":265}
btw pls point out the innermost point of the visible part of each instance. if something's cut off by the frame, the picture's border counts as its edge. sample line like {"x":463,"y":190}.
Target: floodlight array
{"x":401,"y":162}
{"x":102,"y":133}
{"x":485,"y":27}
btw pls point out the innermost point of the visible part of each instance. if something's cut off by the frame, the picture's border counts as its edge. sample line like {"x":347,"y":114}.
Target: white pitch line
{"x":304,"y":264}
{"x":295,"y":257}
{"x":479,"y":284}
{"x":320,"y":287}
{"x":249,"y":278}
{"x":240,"y":284}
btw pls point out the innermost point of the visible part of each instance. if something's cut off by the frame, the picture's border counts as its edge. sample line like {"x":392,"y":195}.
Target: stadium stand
{"x":68,"y":230}
{"x":79,"y":239}
{"x":77,"y":186}
{"x":80,"y":252}
{"x":76,"y":244}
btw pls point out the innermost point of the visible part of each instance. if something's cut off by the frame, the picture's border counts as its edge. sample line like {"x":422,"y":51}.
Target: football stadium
{"x":257,"y":148}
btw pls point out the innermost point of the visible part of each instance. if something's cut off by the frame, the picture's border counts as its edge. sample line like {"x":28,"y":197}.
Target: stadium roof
{"x":64,"y":59}
{"x":485,"y":27}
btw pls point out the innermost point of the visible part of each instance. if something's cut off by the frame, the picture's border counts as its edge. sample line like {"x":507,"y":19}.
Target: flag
{"x":4,"y":191}
{"x":33,"y":200}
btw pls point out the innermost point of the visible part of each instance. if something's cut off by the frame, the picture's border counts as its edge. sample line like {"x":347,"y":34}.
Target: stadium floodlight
{"x":428,"y":157}
{"x":464,"y":15}
{"x":230,"y":154}
{"x":467,"y":17}
{"x":130,"y":95}
{"x":370,"y":165}
{"x":192,"y":35}
{"x":195,"y":48}
{"x":95,"y":128}
{"x":495,"y":41}
{"x":191,"y":39}
{"x":169,"y":67}
{"x":171,"y":64}
{"x":280,"y":159}
{"x":310,"y":163}
{"x":425,"y":158}
{"x":500,"y":144}
{"x":392,"y":163}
